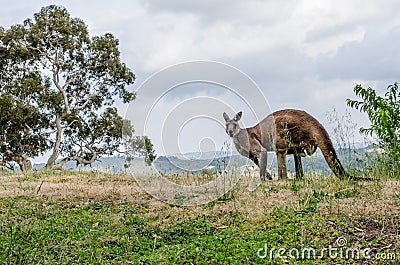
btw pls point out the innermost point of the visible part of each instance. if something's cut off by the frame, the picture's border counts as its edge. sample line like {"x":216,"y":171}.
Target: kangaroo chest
{"x":243,"y":150}
{"x":242,"y":144}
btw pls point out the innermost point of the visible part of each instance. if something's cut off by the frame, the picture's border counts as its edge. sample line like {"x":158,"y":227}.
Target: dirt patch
{"x":374,"y":234}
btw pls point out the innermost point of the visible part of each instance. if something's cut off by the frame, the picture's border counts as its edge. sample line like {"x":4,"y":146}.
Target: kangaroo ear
{"x":226,"y":117}
{"x":238,"y":116}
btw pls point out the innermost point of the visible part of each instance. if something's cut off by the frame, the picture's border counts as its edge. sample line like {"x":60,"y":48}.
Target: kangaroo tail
{"x":329,"y":153}
{"x":333,"y":161}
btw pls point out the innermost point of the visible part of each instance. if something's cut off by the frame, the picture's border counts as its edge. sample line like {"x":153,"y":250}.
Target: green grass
{"x":117,"y":227}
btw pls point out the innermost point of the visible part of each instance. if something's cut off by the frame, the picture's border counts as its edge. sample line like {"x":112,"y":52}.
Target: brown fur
{"x":284,"y":132}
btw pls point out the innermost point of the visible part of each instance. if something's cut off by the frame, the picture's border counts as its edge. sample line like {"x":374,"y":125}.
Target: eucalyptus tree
{"x":59,"y":86}
{"x":86,"y":75}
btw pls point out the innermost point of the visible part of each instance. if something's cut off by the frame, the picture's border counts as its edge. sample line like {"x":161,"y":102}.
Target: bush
{"x":384,"y":114}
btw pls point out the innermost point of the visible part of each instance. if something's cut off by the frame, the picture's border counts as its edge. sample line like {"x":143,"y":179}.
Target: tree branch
{"x":56,"y":81}
{"x":90,"y":96}
{"x":57,"y":144}
{"x":80,"y":160}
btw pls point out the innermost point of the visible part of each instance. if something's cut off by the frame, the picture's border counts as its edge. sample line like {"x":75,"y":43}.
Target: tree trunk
{"x":56,"y":149}
{"x":25,"y":164}
{"x":59,"y":165}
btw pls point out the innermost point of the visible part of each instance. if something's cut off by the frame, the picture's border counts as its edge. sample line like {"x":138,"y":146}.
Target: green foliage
{"x":23,"y":125}
{"x":384,"y":114}
{"x":137,"y":146}
{"x":21,"y":131}
{"x":94,"y":135}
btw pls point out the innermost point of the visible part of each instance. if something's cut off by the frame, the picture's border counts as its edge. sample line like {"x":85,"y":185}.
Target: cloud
{"x":376,"y":57}
{"x":302,"y":54}
{"x":214,"y":11}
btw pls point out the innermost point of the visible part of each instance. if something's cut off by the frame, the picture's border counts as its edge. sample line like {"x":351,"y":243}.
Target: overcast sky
{"x":302,"y":54}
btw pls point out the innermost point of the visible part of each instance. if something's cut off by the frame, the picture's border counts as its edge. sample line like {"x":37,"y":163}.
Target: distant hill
{"x":105,"y":164}
{"x":173,"y":164}
{"x":211,"y":161}
{"x":205,"y":155}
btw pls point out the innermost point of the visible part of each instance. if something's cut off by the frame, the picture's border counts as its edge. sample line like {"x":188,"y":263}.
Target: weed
{"x":295,"y":186}
{"x":347,"y":193}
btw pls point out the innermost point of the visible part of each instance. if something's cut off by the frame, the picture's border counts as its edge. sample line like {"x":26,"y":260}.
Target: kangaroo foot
{"x":267,"y":176}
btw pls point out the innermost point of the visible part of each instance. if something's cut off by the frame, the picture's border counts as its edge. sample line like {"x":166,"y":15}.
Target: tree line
{"x":58,"y":86}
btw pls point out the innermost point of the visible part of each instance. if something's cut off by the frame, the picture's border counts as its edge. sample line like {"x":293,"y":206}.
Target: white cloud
{"x":303,"y":54}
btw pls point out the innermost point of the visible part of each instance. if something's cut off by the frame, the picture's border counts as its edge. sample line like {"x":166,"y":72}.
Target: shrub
{"x":384,"y":114}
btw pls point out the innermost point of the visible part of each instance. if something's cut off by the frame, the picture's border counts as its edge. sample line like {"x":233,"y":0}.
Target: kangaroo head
{"x":232,"y":126}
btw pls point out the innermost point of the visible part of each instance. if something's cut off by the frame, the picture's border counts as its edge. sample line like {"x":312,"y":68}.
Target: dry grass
{"x":74,"y":186}
{"x":334,"y":196}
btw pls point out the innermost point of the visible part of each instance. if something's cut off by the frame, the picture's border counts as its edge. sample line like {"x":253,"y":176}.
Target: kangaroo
{"x":285,"y":132}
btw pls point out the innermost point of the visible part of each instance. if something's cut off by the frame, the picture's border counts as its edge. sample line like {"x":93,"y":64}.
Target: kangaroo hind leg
{"x":263,"y":160}
{"x":298,"y":166}
{"x":281,"y":157}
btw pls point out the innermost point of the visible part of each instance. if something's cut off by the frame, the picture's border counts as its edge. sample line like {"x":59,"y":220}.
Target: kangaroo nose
{"x":230,"y":132}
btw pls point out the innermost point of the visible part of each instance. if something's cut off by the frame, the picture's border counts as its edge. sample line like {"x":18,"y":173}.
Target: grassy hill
{"x":96,"y":218}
